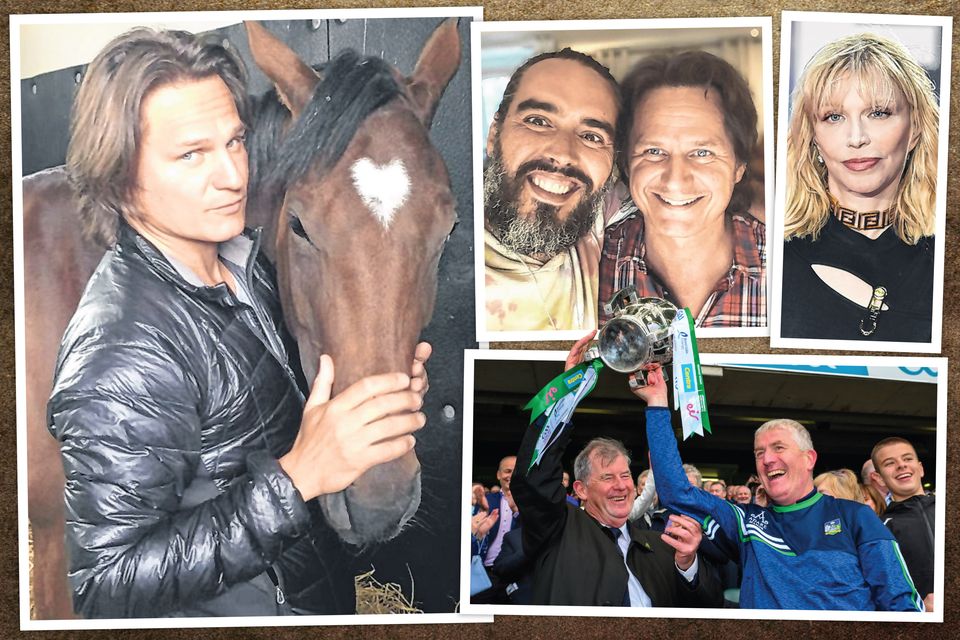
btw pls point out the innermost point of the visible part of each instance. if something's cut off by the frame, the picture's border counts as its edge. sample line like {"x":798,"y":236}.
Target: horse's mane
{"x":352,"y":88}
{"x":268,"y":121}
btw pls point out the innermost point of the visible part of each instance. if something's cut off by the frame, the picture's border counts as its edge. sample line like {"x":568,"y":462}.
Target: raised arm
{"x":673,"y":488}
{"x":538,"y":491}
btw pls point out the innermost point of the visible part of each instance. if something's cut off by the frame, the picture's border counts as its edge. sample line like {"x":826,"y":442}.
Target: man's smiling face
{"x":900,"y":469}
{"x":505,"y":472}
{"x":609,"y":491}
{"x":785,"y":471}
{"x":681,"y":161}
{"x":551,"y":155}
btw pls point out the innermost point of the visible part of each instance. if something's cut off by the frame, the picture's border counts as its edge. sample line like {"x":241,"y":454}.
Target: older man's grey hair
{"x":607,"y":449}
{"x":691,"y":470}
{"x":800,"y":434}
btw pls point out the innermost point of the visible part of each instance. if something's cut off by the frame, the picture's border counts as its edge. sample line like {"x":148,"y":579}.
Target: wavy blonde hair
{"x":880,"y":66}
{"x":841,"y":483}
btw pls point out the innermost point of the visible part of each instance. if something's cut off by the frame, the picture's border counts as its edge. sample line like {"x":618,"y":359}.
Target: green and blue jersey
{"x":820,"y":553}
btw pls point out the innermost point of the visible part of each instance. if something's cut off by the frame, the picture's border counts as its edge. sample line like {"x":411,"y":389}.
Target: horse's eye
{"x":297,"y":227}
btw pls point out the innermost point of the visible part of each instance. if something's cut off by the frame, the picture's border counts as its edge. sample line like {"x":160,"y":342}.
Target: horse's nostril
{"x":335,"y":509}
{"x":370,"y":513}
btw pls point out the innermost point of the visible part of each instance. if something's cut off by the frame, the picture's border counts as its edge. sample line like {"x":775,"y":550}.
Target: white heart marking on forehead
{"x":383,"y":188}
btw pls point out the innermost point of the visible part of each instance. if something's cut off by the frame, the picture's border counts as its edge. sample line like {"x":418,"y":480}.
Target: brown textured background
{"x":532,"y":627}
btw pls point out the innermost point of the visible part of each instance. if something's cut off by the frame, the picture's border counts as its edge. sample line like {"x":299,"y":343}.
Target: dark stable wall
{"x":512,"y":627}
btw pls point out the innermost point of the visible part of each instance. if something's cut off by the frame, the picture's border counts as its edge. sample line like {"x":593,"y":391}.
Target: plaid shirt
{"x":739,"y":298}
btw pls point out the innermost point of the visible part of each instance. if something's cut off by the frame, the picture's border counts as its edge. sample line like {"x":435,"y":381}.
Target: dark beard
{"x":542,"y":235}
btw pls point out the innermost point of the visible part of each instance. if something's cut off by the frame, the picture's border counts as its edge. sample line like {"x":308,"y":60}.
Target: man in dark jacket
{"x":910,"y":516}
{"x":594,"y":556}
{"x":515,"y":569}
{"x":191,"y":455}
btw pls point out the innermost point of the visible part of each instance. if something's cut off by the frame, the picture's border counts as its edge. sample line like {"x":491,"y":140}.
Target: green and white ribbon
{"x":558,"y":400}
{"x":688,"y":394}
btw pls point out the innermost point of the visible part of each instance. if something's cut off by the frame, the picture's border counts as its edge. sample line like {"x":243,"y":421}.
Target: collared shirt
{"x":235,"y":255}
{"x":638,"y":597}
{"x":506,"y":520}
{"x":738,"y":298}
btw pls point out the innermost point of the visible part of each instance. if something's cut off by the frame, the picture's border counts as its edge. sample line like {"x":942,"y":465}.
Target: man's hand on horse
{"x":578,"y":350}
{"x":368,"y":423}
{"x":654,"y":392}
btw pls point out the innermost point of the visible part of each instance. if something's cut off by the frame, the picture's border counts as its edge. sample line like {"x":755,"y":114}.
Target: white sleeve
{"x":644,"y":500}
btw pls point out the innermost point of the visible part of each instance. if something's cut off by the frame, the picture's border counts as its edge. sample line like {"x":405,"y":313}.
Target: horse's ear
{"x":294,"y":80}
{"x":437,"y":64}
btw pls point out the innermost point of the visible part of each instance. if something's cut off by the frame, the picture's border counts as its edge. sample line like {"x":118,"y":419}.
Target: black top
{"x":171,"y":407}
{"x":812,"y":309}
{"x":912,"y":521}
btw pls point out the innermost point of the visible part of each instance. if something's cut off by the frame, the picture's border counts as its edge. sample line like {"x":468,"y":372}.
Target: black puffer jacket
{"x":172,"y":405}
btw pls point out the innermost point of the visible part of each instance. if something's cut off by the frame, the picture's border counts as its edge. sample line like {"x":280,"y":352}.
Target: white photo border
{"x":217,"y":19}
{"x":939,"y":364}
{"x":775,"y":249}
{"x":480,"y":136}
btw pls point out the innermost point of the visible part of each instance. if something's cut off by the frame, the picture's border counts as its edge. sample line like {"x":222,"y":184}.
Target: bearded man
{"x":551,"y":151}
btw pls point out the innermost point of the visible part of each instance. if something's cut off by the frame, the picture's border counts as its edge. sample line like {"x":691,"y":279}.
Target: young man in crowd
{"x":911,"y":514}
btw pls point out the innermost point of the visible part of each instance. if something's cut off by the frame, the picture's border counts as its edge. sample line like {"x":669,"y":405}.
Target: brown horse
{"x":359,"y":234}
{"x":57,"y":263}
{"x":360,"y":205}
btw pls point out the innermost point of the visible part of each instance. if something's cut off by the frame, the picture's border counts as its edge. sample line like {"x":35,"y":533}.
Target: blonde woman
{"x":861,"y":183}
{"x":841,"y":483}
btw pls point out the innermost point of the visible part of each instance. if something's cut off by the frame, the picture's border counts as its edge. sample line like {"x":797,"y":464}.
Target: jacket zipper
{"x":259,"y":325}
{"x":276,"y":583}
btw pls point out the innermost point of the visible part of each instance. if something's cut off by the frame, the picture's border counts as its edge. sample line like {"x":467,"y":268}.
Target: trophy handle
{"x":621,"y":299}
{"x":592,"y":352}
{"x":638,"y":379}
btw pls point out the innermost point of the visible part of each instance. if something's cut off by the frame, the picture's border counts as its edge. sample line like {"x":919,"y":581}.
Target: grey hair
{"x":607,"y":448}
{"x":690,"y":469}
{"x":800,"y":434}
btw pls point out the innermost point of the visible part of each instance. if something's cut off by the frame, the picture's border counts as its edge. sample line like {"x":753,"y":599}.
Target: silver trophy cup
{"x":637,"y":335}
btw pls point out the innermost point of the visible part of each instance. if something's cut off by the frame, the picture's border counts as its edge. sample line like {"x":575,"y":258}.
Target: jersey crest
{"x":831,"y":528}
